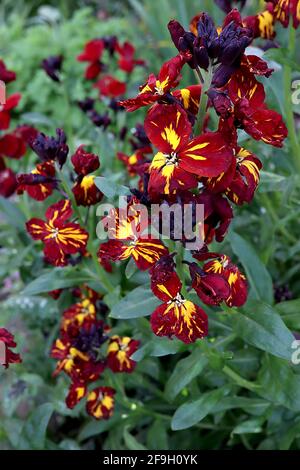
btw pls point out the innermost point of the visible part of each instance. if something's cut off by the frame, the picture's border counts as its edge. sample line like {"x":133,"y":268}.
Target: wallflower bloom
{"x":180,"y":160}
{"x":8,"y":182}
{"x":100,"y":402}
{"x":92,"y":53}
{"x":40,"y":183}
{"x":13,"y":145}
{"x":9,"y":356}
{"x":286,"y":9}
{"x":211,"y":288}
{"x":177,"y":316}
{"x":119,"y":351}
{"x":126,"y":61}
{"x":110,"y":86}
{"x":126,"y":239}
{"x":11,"y":102}
{"x":236,"y":280}
{"x":84,"y":162}
{"x":156,"y":88}
{"x":6,"y":75}
{"x":60,"y":238}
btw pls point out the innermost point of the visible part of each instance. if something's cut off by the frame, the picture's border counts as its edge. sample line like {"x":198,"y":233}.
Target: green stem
{"x":240,"y":380}
{"x":290,"y":121}
{"x":203,"y":101}
{"x":277,"y":222}
{"x":180,"y":266}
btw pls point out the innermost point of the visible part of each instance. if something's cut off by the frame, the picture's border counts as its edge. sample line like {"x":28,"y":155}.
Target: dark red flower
{"x":12,"y":145}
{"x":92,"y":53}
{"x":84,"y":162}
{"x":119,"y":352}
{"x":211,"y":288}
{"x":86,"y":192}
{"x":100,"y":402}
{"x":217,"y":215}
{"x":156,"y":88}
{"x":11,"y":102}
{"x":177,"y":316}
{"x":126,"y":61}
{"x":6,"y":75}
{"x":135,"y":162}
{"x":40,"y":183}
{"x":8,"y":182}
{"x":286,"y":9}
{"x":8,"y":340}
{"x":236,"y":280}
{"x":77,"y":391}
{"x":60,"y":238}
{"x":180,"y":160}
{"x":52,"y":66}
{"x":110,"y":86}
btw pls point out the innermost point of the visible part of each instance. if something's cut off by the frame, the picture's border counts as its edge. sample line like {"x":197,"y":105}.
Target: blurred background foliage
{"x":254,"y":403}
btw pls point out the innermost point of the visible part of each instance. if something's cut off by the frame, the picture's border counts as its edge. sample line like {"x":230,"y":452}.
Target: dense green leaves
{"x":260,"y":325}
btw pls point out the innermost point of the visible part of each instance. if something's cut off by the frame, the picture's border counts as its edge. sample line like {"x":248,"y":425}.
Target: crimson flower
{"x":100,"y":402}
{"x":286,"y":9}
{"x":156,"y":88}
{"x":177,"y":316}
{"x":92,"y":53}
{"x":9,"y":356}
{"x":8,"y":182}
{"x":52,"y":66}
{"x":40,"y":183}
{"x":126,"y":61}
{"x":84,"y":162}
{"x":60,"y":238}
{"x":110,"y":86}
{"x":180,"y":161}
{"x":11,"y":102}
{"x":6,"y":75}
{"x":119,"y":351}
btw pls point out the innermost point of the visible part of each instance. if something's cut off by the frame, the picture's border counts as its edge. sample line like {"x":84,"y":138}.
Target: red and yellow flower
{"x":119,"y":352}
{"x":60,"y":238}
{"x":100,"y":402}
{"x":177,"y":316}
{"x":8,"y":340}
{"x":181,"y":160}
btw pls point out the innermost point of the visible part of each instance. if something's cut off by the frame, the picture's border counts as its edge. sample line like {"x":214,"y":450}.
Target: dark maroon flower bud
{"x":282,"y":293}
{"x":211,"y":288}
{"x":52,"y":66}
{"x":226,"y":5}
{"x":176,"y":32}
{"x":223,"y":74}
{"x":221,"y":102}
{"x":114,"y":105}
{"x":233,"y":42}
{"x":141,"y":138}
{"x":110,"y":43}
{"x":200,"y":54}
{"x":51,"y":148}
{"x":100,"y":120}
{"x":123,"y":133}
{"x":208,"y":34}
{"x":87,"y":104}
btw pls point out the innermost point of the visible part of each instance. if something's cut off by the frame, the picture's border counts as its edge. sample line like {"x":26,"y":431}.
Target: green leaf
{"x":253,"y":406}
{"x":109,"y":188}
{"x":260,"y":325}
{"x":289,"y":310}
{"x":189,"y":414}
{"x":12,"y":214}
{"x":57,"y":278}
{"x":131,"y":268}
{"x":251,"y":426}
{"x":185,"y":371}
{"x":271,"y":182}
{"x":279,"y":384}
{"x":140,"y":302}
{"x":157,"y":347}
{"x":157,"y":437}
{"x":131,"y":442}
{"x":36,"y":426}
{"x":257,"y":274}
{"x":95,"y":428}
{"x":289,"y":436}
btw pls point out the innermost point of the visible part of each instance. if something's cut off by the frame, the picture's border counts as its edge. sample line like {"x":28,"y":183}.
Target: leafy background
{"x":235,"y":389}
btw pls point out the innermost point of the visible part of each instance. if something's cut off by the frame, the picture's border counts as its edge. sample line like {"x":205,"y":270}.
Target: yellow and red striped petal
{"x":59,"y":212}
{"x":100,"y":402}
{"x":207,"y":155}
{"x":168,"y":128}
